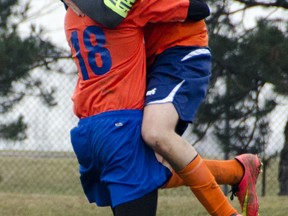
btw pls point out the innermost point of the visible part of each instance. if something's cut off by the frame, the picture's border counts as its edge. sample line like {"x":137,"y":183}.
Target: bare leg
{"x":158,"y":130}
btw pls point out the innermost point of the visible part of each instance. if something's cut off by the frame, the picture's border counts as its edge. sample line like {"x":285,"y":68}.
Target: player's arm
{"x":197,"y":10}
{"x":109,"y":13}
{"x":171,"y":11}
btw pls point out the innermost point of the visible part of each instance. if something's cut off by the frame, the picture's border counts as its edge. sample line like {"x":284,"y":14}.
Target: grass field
{"x":44,"y":186}
{"x":169,"y":205}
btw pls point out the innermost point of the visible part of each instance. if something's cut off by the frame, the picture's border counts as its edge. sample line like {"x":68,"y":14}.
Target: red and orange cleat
{"x":246,"y":189}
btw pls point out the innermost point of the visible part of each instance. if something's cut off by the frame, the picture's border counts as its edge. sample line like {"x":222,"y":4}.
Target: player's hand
{"x":74,"y":7}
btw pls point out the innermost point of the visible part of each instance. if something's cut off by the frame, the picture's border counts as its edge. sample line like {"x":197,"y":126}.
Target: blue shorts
{"x":116,"y":166}
{"x":180,"y":75}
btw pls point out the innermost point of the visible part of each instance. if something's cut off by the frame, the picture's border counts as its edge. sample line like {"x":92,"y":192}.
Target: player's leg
{"x":227,"y":172}
{"x":183,"y":158}
{"x":241,"y":173}
{"x":158,"y":130}
{"x":144,"y":206}
{"x":161,"y":116}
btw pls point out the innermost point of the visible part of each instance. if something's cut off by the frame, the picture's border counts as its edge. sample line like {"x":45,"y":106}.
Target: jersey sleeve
{"x":111,"y":13}
{"x":158,"y":11}
{"x":162,"y":11}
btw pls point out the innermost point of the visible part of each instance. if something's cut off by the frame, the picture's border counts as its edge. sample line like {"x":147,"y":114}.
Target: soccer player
{"x":194,"y":42}
{"x":117,"y":169}
{"x":178,"y":76}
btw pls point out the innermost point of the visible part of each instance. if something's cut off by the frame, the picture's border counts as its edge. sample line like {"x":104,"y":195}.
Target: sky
{"x":50,"y":15}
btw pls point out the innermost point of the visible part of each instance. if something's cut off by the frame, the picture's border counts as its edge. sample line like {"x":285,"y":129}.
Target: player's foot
{"x":246,"y":189}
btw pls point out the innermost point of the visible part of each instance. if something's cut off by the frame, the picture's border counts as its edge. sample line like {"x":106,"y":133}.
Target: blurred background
{"x":246,"y":109}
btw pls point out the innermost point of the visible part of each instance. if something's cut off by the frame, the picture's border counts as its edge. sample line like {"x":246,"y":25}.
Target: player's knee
{"x":149,"y":136}
{"x":154,"y":138}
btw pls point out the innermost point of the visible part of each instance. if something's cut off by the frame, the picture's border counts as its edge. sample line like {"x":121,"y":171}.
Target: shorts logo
{"x":151,"y":92}
{"x":119,"y":124}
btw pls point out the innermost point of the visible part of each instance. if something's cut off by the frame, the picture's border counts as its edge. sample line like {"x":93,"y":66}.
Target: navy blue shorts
{"x":116,"y":166}
{"x":180,"y":75}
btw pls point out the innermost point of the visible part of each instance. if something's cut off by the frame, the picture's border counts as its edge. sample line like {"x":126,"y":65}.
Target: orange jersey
{"x":160,"y":36}
{"x":111,"y":63}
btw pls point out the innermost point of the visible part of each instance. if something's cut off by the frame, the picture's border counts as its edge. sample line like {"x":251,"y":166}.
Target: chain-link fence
{"x":45,"y":162}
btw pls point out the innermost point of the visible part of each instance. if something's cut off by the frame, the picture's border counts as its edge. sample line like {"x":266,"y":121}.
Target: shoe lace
{"x":234,"y":190}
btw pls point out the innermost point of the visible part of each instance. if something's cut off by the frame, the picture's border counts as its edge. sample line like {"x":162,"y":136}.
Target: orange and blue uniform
{"x":112,"y":62}
{"x":161,"y":36}
{"x":181,"y":72}
{"x":196,"y":58}
{"x":115,"y":165}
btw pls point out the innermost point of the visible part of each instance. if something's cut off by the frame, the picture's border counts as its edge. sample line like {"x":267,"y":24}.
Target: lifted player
{"x":116,"y":167}
{"x":181,"y":39}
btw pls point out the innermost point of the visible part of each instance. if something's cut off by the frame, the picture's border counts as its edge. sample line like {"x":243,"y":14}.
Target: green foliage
{"x":244,"y":62}
{"x":15,"y":130}
{"x":5,"y":12}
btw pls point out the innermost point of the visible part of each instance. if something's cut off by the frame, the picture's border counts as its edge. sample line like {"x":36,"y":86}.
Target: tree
{"x":18,"y":57}
{"x":283,"y":166}
{"x":245,"y":61}
{"x":243,"y":64}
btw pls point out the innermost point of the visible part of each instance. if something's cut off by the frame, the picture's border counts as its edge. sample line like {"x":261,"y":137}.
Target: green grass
{"x":69,"y":205}
{"x":36,"y":186}
{"x":39,"y":175}
{"x":59,"y":175}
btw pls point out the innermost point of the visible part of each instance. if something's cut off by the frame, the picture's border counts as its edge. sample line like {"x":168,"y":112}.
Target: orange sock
{"x":225,"y":171}
{"x":200,"y":180}
{"x":174,"y":181}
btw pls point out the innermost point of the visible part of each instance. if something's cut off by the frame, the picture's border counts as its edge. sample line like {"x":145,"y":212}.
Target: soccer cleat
{"x":246,"y":189}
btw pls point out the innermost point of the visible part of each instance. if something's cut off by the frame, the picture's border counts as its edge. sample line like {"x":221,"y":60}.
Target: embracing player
{"x":117,"y":169}
{"x":193,"y":47}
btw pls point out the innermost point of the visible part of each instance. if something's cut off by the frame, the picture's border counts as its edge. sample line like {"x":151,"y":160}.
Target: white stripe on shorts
{"x":195,"y":53}
{"x":170,"y":97}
